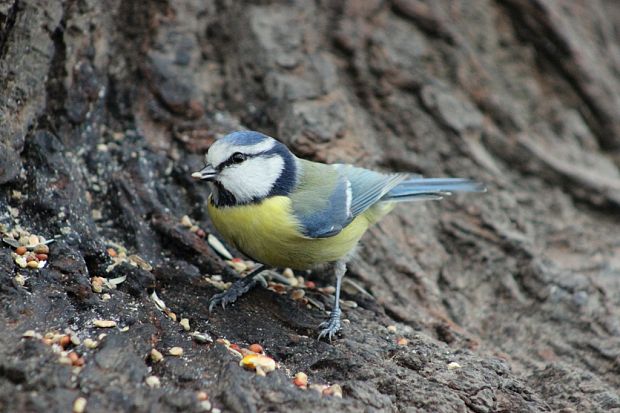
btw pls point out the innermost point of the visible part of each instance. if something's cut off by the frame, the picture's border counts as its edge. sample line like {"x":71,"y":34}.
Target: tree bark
{"x":505,"y":301}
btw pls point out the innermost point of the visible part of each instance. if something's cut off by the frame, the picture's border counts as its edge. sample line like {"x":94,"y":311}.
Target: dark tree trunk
{"x":106,"y":107}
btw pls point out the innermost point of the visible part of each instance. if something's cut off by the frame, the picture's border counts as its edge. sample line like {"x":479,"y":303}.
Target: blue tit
{"x":283,"y":211}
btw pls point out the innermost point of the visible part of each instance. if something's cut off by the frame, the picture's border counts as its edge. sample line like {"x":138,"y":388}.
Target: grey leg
{"x":332,"y":325}
{"x":238,"y":288}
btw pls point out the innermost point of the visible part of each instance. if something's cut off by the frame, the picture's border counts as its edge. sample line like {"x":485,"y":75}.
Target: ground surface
{"x":508,"y":301}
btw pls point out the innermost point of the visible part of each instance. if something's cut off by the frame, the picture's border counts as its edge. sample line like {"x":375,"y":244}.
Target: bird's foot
{"x":331,"y":326}
{"x":236,"y":290}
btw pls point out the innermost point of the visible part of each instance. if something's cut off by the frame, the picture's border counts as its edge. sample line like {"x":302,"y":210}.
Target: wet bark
{"x":107,"y":107}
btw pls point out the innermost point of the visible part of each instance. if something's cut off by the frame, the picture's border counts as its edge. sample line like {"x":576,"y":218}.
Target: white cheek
{"x":253,"y":178}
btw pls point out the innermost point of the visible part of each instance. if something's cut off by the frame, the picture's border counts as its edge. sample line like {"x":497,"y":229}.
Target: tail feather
{"x":422,"y":189}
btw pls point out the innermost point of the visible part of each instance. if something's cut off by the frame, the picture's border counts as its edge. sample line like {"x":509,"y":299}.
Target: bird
{"x":283,"y":211}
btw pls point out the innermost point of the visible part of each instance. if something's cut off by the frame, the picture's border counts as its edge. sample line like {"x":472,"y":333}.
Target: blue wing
{"x":328,"y":197}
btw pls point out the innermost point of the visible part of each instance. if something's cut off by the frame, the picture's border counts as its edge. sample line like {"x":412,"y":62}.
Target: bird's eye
{"x":237,"y":157}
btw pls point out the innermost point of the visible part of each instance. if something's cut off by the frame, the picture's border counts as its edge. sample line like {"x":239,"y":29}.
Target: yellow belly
{"x":268,"y":233}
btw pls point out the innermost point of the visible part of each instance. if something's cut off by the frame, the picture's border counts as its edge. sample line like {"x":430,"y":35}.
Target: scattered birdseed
{"x":21,"y":250}
{"x":205,"y":405}
{"x":20,"y":280}
{"x":402,"y":341}
{"x":105,"y":296}
{"x":301,"y":380}
{"x":153,"y":382}
{"x":96,"y":214}
{"x":185,"y":324}
{"x":201,"y":337}
{"x":104,"y":323}
{"x":139,"y":262}
{"x":238,"y":264}
{"x":124,"y":329}
{"x":41,"y":249}
{"x":29,"y":334}
{"x":90,"y":343}
{"x":202,"y":395}
{"x":176,"y":351}
{"x":391,"y":328}
{"x":186,"y":221}
{"x":79,"y":405}
{"x":453,"y":365}
{"x":156,"y":355}
{"x":32,"y":264}
{"x":64,"y":341}
{"x":297,"y":294}
{"x":333,"y":390}
{"x":348,"y":304}
{"x":218,"y":247}
{"x":97,"y":284}
{"x":261,"y":363}
{"x":256,"y":348}
{"x":288,"y":273}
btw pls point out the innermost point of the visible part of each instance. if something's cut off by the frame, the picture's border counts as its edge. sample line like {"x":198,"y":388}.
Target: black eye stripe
{"x":231,"y":159}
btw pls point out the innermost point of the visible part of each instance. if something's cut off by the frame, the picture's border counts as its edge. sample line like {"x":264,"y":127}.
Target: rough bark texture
{"x":109,"y":106}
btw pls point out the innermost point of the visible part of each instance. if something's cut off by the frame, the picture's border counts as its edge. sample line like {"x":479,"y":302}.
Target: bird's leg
{"x":238,"y":288}
{"x":332,"y":325}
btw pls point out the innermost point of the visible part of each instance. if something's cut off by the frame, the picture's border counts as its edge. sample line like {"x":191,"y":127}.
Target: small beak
{"x":206,"y":174}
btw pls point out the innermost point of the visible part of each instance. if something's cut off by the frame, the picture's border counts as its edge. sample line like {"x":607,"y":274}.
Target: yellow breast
{"x":268,"y":233}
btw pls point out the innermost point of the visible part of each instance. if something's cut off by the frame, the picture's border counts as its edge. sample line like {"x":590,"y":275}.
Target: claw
{"x":235,"y":291}
{"x":331,"y":326}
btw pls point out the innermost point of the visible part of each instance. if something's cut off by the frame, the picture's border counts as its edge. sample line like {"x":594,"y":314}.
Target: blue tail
{"x":422,"y":189}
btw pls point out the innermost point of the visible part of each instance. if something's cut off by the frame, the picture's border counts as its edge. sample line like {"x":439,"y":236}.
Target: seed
{"x":79,"y":362}
{"x":41,"y":257}
{"x":156,"y":355}
{"x":256,"y":348}
{"x":41,"y":249}
{"x":97,"y":284}
{"x":186,"y":221}
{"x":333,"y":390}
{"x":30,"y":258}
{"x":301,"y":380}
{"x":32,"y":264}
{"x":79,"y":405}
{"x":176,"y":351}
{"x":185,"y":324}
{"x":205,"y":406}
{"x":200,"y":232}
{"x":21,"y":261}
{"x":202,"y":395}
{"x":21,"y":250}
{"x":90,"y":343}
{"x":153,"y":381}
{"x":29,"y":334}
{"x":20,"y":279}
{"x":65,"y":360}
{"x":104,"y":323}
{"x":33,"y":240}
{"x":297,"y":294}
{"x":64,"y":341}
{"x":402,"y":341}
{"x":288,"y":273}
{"x":23,"y":240}
{"x":75,"y":340}
{"x":454,"y":365}
{"x":105,"y":296}
{"x":111,"y":252}
{"x":391,"y":328}
{"x":262,"y":364}
{"x":73,"y":356}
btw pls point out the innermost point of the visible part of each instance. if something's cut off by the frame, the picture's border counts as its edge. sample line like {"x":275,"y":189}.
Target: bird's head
{"x":246,"y":167}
